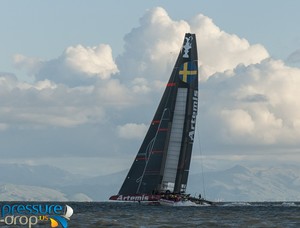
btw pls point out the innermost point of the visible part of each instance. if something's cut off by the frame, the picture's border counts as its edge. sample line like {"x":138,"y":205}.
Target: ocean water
{"x":116,"y":214}
{"x":222,"y":215}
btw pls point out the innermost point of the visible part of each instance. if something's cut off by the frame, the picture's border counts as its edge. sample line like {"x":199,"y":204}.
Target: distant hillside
{"x":250,"y":184}
{"x":11,"y":192}
{"x":41,"y":183}
{"x":239,"y":183}
{"x":98,"y":188}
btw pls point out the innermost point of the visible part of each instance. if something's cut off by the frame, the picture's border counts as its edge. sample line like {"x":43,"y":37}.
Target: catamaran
{"x":160,"y":170}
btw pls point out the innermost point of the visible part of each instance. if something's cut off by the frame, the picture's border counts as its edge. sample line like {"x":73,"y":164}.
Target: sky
{"x":81,"y":80}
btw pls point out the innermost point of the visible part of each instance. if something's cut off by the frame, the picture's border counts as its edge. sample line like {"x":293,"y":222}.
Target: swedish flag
{"x":188,"y":72}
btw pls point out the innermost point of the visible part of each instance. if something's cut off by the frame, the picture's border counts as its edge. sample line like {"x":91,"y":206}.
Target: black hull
{"x":158,"y":199}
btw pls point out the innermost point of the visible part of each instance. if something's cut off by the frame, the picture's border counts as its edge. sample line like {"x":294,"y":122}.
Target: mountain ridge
{"x":238,"y":183}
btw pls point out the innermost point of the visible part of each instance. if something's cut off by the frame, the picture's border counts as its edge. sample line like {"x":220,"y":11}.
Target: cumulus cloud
{"x":246,"y":97}
{"x":257,"y":104}
{"x":74,"y":89}
{"x":76,"y":66}
{"x":152,"y":48}
{"x":219,"y":51}
{"x":44,"y":104}
{"x":92,"y":61}
{"x":159,"y":38}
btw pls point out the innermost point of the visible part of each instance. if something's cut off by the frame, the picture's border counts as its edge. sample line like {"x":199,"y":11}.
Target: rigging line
{"x":150,"y":149}
{"x":201,"y":162}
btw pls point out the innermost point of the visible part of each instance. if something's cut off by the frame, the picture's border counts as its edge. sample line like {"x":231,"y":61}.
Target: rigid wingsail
{"x":161,"y":166}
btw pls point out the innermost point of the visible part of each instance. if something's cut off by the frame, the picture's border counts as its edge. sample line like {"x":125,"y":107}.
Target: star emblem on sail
{"x":188,"y":72}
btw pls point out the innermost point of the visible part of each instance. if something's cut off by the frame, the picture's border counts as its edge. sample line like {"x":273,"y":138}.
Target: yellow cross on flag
{"x":188,"y":72}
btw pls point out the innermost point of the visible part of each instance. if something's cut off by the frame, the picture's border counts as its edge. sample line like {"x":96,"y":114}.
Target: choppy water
{"x":107,"y":214}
